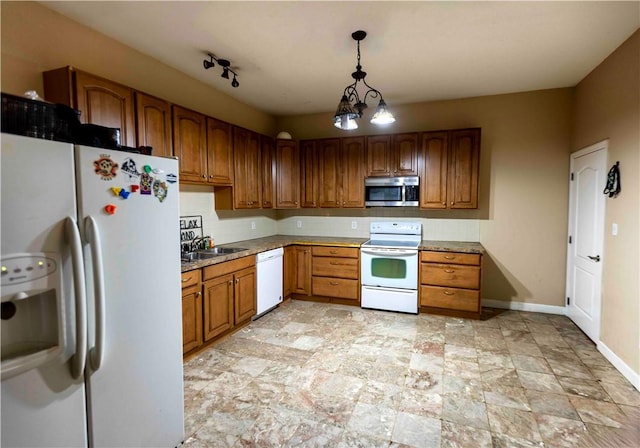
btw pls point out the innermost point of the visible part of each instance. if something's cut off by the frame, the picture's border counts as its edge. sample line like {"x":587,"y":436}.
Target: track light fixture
{"x":347,"y":113}
{"x":226,"y":68}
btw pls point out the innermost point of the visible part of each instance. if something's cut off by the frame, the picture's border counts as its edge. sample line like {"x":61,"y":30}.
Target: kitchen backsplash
{"x":231,"y":226}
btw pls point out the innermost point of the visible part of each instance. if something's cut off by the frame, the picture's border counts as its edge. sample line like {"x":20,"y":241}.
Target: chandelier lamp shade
{"x":226,"y":68}
{"x":352,"y":104}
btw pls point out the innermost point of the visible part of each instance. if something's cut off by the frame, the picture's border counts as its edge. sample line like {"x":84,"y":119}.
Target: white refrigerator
{"x":91,"y":311}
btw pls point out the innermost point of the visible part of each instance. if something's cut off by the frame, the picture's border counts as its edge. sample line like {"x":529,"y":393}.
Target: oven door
{"x":389,"y":268}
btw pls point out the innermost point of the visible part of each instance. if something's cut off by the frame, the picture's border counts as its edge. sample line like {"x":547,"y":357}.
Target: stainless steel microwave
{"x":392,"y":191}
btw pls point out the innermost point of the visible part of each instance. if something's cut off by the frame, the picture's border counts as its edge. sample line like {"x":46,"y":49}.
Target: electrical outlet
{"x":253,"y":225}
{"x":299,"y":224}
{"x":354,"y":224}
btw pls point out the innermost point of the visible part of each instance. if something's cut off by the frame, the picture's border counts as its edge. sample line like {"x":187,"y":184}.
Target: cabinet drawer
{"x":450,"y":298}
{"x":190,"y":278}
{"x":450,"y":257}
{"x":335,"y":287}
{"x":335,"y":267}
{"x":347,"y":252}
{"x":227,"y":267}
{"x":450,"y":275}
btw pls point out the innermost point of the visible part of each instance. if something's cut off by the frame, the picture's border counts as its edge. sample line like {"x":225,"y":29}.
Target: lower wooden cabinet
{"x":191,"y":311}
{"x":244,"y":294}
{"x":336,"y":272}
{"x":450,"y":283}
{"x":301,"y":281}
{"x":218,"y":306}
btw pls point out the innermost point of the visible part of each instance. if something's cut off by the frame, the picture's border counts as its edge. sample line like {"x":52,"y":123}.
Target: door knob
{"x":596,"y":258}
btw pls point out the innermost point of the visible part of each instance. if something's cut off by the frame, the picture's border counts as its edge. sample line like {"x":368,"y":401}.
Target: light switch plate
{"x":299,"y":224}
{"x":253,"y":225}
{"x":614,"y":229}
{"x":354,"y":224}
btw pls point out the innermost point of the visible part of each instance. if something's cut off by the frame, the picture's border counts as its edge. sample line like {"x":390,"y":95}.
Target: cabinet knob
{"x":237,"y":281}
{"x":313,"y":203}
{"x":210,"y":176}
{"x":204,"y":176}
{"x":451,"y":202}
{"x":444,"y":203}
{"x":295,"y":202}
{"x":337,"y":202}
{"x":344,"y":202}
{"x":198,"y":294}
{"x":230,"y":282}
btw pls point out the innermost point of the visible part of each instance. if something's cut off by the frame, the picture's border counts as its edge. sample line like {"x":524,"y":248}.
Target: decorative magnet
{"x":160,"y":190}
{"x":105,"y":167}
{"x":158,"y":171}
{"x":172,"y":178}
{"x":116,"y":190}
{"x":124,"y":194}
{"x":130,"y":169}
{"x":110,"y":209}
{"x":147,"y":169}
{"x":146,"y":182}
{"x":134,"y":188}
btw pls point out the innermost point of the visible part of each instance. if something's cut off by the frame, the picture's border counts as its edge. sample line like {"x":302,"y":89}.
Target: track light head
{"x":208,"y":64}
{"x":235,"y":82}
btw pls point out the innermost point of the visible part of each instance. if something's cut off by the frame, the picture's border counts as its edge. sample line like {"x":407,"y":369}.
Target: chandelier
{"x":352,"y":104}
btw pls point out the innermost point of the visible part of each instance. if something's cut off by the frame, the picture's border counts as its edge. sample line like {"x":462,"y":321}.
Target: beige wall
{"x":607,"y":105}
{"x":523,"y":183}
{"x":36,"y":39}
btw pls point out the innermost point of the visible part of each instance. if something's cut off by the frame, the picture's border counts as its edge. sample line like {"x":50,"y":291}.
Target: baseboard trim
{"x":623,"y":368}
{"x":523,"y":306}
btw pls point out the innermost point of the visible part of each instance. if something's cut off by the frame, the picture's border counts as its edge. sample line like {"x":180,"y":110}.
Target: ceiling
{"x":297,"y":57}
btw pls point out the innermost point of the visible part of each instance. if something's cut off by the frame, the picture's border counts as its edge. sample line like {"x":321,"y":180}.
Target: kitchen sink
{"x":207,"y":254}
{"x":222,"y":250}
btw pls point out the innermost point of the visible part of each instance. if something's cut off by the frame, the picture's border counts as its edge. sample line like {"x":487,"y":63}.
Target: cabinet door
{"x":218,"y":306}
{"x":302,"y":278}
{"x":190,"y":144}
{"x":464,"y":163}
{"x":329,"y":172}
{"x":287,"y":174}
{"x":219,"y":152}
{"x":106,"y":103}
{"x":353,"y":159}
{"x":268,"y":172}
{"x":378,"y":156}
{"x":289,"y":270}
{"x":247,"y":170}
{"x":433,"y":182}
{"x":308,"y":174}
{"x":191,"y":319}
{"x":245,"y":294}
{"x":153,"y":118}
{"x":405,"y":154}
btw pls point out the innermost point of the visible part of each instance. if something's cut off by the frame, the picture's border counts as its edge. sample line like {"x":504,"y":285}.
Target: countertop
{"x":258,"y":245}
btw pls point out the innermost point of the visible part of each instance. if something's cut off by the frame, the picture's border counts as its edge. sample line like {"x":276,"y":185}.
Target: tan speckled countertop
{"x":258,"y":245}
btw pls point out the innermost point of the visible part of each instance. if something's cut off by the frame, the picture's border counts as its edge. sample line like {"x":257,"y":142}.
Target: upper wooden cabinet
{"x":392,"y":155}
{"x":268,"y":149}
{"x":101,"y":102}
{"x":219,"y":153}
{"x":328,"y":160}
{"x":247,"y":188}
{"x":153,"y":119}
{"x":287,"y":174}
{"x":352,"y":170}
{"x":308,"y":174}
{"x":449,"y":169}
{"x":190,"y":144}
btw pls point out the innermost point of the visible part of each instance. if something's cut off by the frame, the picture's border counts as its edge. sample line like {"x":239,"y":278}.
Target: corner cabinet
{"x":450,"y":163}
{"x":268,"y":149}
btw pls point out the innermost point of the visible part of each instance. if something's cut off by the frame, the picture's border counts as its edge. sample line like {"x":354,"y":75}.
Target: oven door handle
{"x":389,"y":252}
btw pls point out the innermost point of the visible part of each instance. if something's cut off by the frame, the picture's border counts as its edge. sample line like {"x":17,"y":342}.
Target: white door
{"x":586,"y":234}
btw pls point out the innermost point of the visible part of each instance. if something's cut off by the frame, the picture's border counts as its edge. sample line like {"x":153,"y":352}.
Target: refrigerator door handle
{"x":72,"y":235}
{"x":96,"y":353}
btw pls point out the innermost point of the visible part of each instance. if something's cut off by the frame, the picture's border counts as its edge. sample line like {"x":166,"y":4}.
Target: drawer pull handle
{"x":449,"y":271}
{"x":448,"y":293}
{"x":333,"y":252}
{"x":450,"y":257}
{"x":335,"y":263}
{"x":334,"y":283}
{"x":186,"y":279}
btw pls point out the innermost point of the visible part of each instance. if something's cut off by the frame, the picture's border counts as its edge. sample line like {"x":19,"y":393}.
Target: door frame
{"x":599,"y":146}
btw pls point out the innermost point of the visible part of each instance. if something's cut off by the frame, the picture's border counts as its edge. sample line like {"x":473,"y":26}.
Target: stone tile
{"x":428,"y":348}
{"x":570,"y":369}
{"x":584,"y":388}
{"x":531,"y":364}
{"x":606,"y":436}
{"x":558,"y":431}
{"x":457,"y":352}
{"x":416,"y":431}
{"x":462,"y":369}
{"x":599,"y":412}
{"x":524,"y":348}
{"x":427,"y":363}
{"x":513,"y":422}
{"x":422,"y":403}
{"x":381,"y":394}
{"x":489,"y":360}
{"x":250,"y":365}
{"x":465,"y":412}
{"x":539,"y":381}
{"x":501,"y":378}
{"x":470,"y":389}
{"x":551,"y":404}
{"x":458,"y":436}
{"x":425,"y":381}
{"x":510,"y":397}
{"x":372,"y":420}
{"x":315,"y":435}
{"x":505,"y":441}
{"x":352,"y":439}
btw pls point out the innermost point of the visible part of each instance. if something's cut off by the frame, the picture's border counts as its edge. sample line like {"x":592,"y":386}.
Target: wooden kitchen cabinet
{"x":340,"y":172}
{"x":289,"y":270}
{"x":328,"y":163}
{"x":190,"y":144}
{"x":245,"y":294}
{"x":268,"y":149}
{"x":392,"y":155}
{"x":336,"y":272}
{"x":301,"y":284}
{"x":450,"y":283}
{"x":287,"y":174}
{"x":308,"y":174}
{"x":191,"y":311}
{"x":247,"y":187}
{"x":219,"y":153}
{"x":154,"y":128}
{"x":353,"y":172}
{"x":450,"y":162}
{"x":101,"y":101}
{"x":218,"y":306}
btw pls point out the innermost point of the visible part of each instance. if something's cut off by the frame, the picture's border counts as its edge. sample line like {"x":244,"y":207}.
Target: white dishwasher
{"x":269,"y":267}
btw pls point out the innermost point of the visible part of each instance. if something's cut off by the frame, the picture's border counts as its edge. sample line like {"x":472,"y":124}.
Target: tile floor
{"x":320,"y":375}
